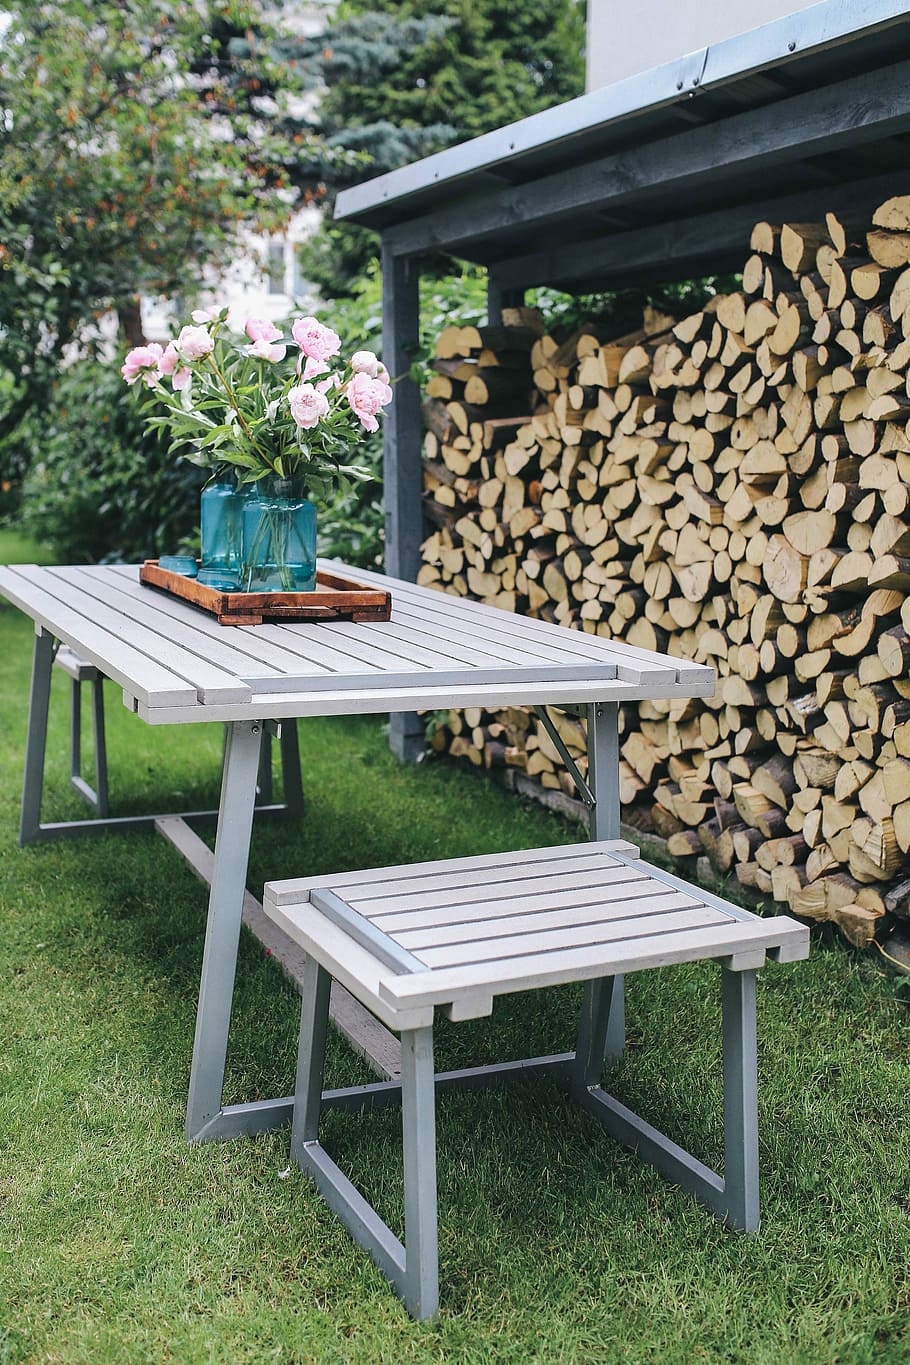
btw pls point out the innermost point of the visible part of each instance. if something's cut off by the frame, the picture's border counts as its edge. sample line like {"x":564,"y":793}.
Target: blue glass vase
{"x":221,"y":507}
{"x":279,"y":538}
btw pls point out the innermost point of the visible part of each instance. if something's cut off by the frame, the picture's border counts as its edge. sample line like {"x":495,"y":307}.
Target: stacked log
{"x":733,"y":488}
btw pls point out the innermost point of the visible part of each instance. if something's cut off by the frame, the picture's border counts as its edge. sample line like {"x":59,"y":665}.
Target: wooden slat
{"x":591,"y":937}
{"x":293,"y":889}
{"x":211,"y":683}
{"x":146,"y":609}
{"x":633,"y":664}
{"x":143,"y":678}
{"x":623,"y":895}
{"x":377,"y":700}
{"x":588,"y":891}
{"x":444,"y":986}
{"x":482,"y":934}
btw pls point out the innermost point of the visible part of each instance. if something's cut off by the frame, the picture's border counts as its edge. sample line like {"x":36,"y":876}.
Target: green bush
{"x":100,"y":486}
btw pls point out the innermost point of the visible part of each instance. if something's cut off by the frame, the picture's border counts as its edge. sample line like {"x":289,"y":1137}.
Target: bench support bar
{"x":412,"y":1267}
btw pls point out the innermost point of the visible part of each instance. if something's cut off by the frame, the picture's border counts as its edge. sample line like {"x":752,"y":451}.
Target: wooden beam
{"x":850,"y":112}
{"x":707,"y":243}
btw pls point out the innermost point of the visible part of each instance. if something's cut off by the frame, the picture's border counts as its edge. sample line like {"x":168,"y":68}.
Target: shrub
{"x":99,"y":485}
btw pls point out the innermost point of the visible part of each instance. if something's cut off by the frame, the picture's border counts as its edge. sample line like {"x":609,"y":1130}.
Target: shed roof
{"x":665,"y":171}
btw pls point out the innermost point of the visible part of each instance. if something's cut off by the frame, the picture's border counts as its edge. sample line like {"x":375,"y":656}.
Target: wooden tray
{"x":335,"y":598}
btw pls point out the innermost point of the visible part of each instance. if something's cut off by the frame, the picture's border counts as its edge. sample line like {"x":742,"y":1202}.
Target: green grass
{"x":118,"y":1243}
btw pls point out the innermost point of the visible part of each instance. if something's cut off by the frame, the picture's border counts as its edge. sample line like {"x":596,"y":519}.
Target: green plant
{"x":259,"y":406}
{"x":100,"y":485}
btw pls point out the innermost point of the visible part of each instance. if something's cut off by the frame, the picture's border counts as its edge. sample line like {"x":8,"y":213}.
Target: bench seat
{"x":455,"y":934}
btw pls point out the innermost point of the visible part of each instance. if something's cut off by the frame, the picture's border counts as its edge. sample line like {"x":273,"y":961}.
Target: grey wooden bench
{"x":454,"y":935}
{"x":80,"y":671}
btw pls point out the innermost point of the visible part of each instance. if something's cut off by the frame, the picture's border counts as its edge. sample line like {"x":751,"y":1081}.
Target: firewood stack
{"x":733,"y":488}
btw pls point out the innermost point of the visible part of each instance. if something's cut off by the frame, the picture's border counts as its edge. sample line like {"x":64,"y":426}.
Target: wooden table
{"x":177,"y":666}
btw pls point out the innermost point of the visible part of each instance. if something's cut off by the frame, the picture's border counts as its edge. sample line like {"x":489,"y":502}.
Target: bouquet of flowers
{"x":265,"y":403}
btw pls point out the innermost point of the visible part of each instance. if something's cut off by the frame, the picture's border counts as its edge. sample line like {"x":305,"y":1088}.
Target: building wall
{"x":626,"y":38}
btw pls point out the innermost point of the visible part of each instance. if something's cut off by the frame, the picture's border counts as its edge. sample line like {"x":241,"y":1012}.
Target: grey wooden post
{"x":36,"y":741}
{"x":603,"y":779}
{"x":420,"y":1289}
{"x":402,"y":464}
{"x":740,"y":1099}
{"x":290,"y":768}
{"x":99,"y":740}
{"x":222,"y":935}
{"x":501,"y":296}
{"x":314,"y":1018}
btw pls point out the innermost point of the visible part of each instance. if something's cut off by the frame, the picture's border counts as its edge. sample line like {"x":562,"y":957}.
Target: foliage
{"x":407,"y":77}
{"x":139,"y":145}
{"x":251,"y":405}
{"x":101,"y":485}
{"x":120,"y":1243}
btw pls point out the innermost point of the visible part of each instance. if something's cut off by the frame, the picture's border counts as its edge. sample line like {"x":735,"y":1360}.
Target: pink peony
{"x":169,"y":364}
{"x":262,"y":349}
{"x":142,"y":361}
{"x":194,"y":342}
{"x":260,"y":329}
{"x":203,"y":315}
{"x":367,"y":397}
{"x":307,"y":406}
{"x":316,"y":341}
{"x":366,"y":362}
{"x":312,"y":368}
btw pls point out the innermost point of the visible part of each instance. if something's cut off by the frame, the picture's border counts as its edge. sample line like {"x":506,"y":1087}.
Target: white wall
{"x":629,"y":36}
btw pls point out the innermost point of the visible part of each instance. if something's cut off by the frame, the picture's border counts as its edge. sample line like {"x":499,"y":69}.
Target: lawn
{"x":119,"y":1243}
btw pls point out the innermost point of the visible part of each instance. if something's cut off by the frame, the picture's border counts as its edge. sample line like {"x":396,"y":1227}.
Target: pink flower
{"x":169,"y":364}
{"x":142,"y":361}
{"x":307,"y":406}
{"x":203,"y":315}
{"x":194,"y":342}
{"x":260,"y":329}
{"x":262,"y":349}
{"x":365,"y":362}
{"x":367,"y":397}
{"x":313,"y":368}
{"x":316,"y":341}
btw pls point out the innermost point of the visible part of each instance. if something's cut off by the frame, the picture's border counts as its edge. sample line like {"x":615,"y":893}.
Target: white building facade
{"x":625,"y":39}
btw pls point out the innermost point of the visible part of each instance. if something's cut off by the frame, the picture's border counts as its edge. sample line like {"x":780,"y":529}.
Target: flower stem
{"x":236,"y":406}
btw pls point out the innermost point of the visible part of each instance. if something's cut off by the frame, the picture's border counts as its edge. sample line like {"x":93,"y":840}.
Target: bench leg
{"x":314,"y":1018}
{"x":97,"y":796}
{"x":740,"y":1099}
{"x":99,"y":740}
{"x":593,"y":1030}
{"x":411,"y":1267}
{"x":733,"y":1197}
{"x":36,"y":742}
{"x":418,"y":1117}
{"x":290,"y":768}
{"x":603,"y":779}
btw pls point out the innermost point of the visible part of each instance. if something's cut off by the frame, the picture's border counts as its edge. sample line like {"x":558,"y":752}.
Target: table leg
{"x":603,"y":779}
{"x":216,"y":988}
{"x":36,"y":743}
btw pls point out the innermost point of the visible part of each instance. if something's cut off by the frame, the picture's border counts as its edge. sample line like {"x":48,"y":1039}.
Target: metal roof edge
{"x":829,"y":23}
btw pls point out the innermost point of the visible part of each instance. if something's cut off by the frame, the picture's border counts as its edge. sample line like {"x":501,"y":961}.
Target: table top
{"x":176,"y":664}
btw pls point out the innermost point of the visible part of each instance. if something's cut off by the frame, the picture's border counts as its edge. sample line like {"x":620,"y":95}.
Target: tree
{"x":405,"y":78}
{"x":140,"y":140}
